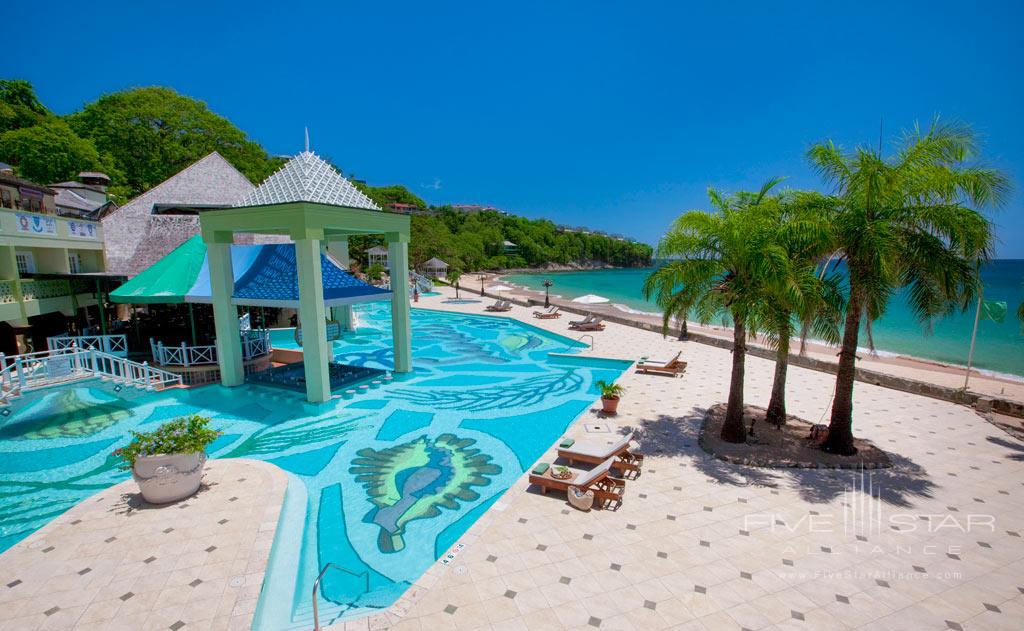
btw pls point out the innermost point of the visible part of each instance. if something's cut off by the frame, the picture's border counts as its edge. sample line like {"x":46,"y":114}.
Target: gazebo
{"x":311,"y":203}
{"x":435,"y":267}
{"x":377,"y":255}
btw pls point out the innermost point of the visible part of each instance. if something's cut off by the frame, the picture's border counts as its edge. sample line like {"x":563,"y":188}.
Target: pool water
{"x":386,"y":482}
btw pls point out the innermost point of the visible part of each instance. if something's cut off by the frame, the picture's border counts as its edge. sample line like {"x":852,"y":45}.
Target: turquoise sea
{"x":1000,"y":346}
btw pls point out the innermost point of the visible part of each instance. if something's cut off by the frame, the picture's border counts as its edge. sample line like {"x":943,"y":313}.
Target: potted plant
{"x":167,"y":463}
{"x":610,"y":395}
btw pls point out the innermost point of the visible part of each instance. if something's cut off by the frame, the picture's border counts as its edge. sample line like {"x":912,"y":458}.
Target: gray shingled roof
{"x":134,"y":238}
{"x":66,"y":198}
{"x":377,"y":249}
{"x":307,"y":178}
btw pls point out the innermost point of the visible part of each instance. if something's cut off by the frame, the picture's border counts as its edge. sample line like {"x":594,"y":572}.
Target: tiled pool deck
{"x":697,"y":544}
{"x":111,"y":563}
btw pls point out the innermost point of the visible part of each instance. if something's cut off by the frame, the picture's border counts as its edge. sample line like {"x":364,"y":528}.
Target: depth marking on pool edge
{"x":451,"y":554}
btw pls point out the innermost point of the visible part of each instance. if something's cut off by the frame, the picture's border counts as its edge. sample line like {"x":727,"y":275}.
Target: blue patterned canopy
{"x":265,"y":276}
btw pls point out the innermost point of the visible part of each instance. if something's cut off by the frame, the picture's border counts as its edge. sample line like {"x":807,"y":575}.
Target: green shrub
{"x":185,"y":435}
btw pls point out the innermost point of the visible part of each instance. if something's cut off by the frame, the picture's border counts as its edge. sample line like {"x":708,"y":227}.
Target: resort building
{"x":48,"y":265}
{"x":85,"y":198}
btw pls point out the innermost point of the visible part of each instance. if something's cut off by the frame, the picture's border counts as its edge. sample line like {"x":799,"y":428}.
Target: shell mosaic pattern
{"x":415,"y":480}
{"x":392,"y":477}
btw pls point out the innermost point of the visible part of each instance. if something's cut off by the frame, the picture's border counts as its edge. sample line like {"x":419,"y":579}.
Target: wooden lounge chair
{"x":590,"y":317}
{"x":606,"y":488}
{"x":593,"y":453}
{"x":550,"y":312}
{"x":674,"y":366}
{"x":594,"y":325}
{"x":500,"y":305}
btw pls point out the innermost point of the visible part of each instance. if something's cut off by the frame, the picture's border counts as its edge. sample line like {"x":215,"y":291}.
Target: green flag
{"x":994,"y":310}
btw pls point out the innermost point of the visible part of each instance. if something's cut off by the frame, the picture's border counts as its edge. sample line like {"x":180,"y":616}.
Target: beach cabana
{"x":377,"y":255}
{"x":435,"y":267}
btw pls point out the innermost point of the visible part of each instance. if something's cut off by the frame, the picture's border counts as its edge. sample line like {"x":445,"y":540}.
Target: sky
{"x":617,"y":116}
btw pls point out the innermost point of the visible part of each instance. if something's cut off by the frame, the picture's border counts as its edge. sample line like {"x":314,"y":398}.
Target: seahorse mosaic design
{"x":415,"y":480}
{"x":66,"y":414}
{"x":525,"y":393}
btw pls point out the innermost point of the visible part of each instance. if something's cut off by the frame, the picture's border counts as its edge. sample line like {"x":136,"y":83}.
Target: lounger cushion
{"x":598,"y":450}
{"x":568,"y":442}
{"x":586,"y":479}
{"x":540,"y":468}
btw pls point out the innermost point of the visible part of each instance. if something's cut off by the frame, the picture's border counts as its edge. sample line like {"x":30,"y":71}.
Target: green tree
{"x":810,"y":293}
{"x":19,"y":105}
{"x":907,"y":220}
{"x":152,"y":133}
{"x":723,"y":261}
{"x":49,"y":152}
{"x":454,"y":274}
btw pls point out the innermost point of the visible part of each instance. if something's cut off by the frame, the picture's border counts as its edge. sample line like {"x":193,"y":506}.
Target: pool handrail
{"x":316,"y":587}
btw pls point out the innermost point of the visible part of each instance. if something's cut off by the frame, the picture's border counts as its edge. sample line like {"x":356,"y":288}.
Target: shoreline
{"x":983,"y":382}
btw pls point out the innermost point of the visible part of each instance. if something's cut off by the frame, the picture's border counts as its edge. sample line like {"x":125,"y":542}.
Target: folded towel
{"x":568,"y":442}
{"x":540,"y":468}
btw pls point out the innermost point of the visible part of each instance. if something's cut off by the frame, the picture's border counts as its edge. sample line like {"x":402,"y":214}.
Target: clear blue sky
{"x":614,"y":115}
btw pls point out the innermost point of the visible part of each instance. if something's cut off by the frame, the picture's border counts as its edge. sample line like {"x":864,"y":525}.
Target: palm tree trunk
{"x":733,"y":428}
{"x":840,"y":428}
{"x":777,"y":403}
{"x":683,"y":332}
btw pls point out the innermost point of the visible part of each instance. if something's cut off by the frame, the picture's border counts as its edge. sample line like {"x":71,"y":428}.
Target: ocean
{"x":1000,"y":346}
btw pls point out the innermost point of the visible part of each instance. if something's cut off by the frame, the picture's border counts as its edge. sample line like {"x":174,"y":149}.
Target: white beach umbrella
{"x":499,"y":288}
{"x":591,"y":299}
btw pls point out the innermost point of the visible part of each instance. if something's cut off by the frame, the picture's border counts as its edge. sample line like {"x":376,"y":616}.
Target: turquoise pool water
{"x":386,"y":481}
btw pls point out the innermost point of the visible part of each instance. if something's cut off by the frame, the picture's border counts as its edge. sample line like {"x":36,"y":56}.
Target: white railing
{"x":116,"y":345}
{"x":255,"y":343}
{"x":19,"y":373}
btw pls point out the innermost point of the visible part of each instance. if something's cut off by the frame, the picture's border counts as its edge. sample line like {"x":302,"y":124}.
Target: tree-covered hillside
{"x":142,"y":136}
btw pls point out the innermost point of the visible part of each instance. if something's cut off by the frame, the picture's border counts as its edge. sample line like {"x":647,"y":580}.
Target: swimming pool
{"x":386,"y":482}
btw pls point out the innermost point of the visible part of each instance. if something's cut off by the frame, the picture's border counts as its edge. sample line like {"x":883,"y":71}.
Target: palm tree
{"x":810,"y":295}
{"x":906,"y":220}
{"x":454,"y":274}
{"x":722,"y":261}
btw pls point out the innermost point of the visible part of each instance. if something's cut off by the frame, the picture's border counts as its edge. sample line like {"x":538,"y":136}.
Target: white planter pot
{"x":170,"y":477}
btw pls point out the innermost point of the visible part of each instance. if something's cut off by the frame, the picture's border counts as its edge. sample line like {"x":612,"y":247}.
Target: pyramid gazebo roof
{"x":307,"y":178}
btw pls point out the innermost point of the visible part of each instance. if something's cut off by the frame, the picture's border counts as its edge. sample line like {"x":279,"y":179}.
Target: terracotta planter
{"x":168,"y":477}
{"x":611,"y":405}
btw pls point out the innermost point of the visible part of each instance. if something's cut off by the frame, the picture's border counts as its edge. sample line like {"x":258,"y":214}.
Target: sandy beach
{"x":902,"y":366}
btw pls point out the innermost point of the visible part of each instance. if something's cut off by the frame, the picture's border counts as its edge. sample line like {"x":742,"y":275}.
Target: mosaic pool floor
{"x":391,"y":477}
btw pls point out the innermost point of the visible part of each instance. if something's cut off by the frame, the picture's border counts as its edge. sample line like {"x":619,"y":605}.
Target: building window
{"x":6,"y":199}
{"x":26,"y":262}
{"x":74,"y":263}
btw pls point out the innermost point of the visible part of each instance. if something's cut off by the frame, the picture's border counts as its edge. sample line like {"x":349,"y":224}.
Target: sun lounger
{"x":593,"y":325}
{"x":550,"y":312}
{"x":501,"y":305}
{"x":606,"y":488}
{"x":674,"y":366}
{"x":593,"y":452}
{"x":590,"y":317}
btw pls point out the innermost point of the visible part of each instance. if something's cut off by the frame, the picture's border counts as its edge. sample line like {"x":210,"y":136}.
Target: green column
{"x":398,"y":262}
{"x":225,"y":314}
{"x":316,"y":352}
